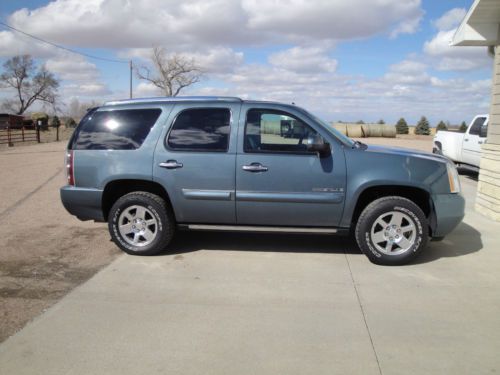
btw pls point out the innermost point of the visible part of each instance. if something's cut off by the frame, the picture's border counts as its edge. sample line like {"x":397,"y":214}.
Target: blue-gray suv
{"x":151,"y":166}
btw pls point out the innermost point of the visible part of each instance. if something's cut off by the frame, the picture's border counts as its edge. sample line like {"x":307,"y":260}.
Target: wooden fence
{"x":11,"y":136}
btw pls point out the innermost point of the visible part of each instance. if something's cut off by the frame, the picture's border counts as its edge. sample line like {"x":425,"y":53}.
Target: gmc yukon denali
{"x":149,"y":167}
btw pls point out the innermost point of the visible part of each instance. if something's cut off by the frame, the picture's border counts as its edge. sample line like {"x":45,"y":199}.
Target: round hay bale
{"x":365,"y":128}
{"x":341,"y":127}
{"x":388,"y":131}
{"x":354,"y":131}
{"x":375,"y":130}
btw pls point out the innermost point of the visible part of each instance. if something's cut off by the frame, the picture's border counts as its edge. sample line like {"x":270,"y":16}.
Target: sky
{"x":341,"y":59}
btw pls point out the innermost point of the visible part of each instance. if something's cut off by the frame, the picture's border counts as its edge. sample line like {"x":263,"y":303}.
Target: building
{"x":481,"y":27}
{"x":11,"y":121}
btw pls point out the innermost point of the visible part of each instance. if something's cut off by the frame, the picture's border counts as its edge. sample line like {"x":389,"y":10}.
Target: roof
{"x":171,"y":99}
{"x":480,"y":27}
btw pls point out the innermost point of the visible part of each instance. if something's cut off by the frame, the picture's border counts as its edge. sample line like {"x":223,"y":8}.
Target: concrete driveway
{"x":277,"y":304}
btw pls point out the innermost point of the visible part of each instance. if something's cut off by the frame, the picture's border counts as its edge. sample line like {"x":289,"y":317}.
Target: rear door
{"x":195,"y":161}
{"x":471,"y":152}
{"x":280,"y":183}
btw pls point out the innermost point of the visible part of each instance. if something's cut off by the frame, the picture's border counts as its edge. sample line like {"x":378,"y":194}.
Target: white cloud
{"x":446,"y":57}
{"x":304,"y":60}
{"x":72,"y":67}
{"x":201,"y":23}
{"x":451,"y":19}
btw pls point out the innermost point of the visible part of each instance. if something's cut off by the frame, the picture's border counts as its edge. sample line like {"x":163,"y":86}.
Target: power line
{"x":65,"y":48}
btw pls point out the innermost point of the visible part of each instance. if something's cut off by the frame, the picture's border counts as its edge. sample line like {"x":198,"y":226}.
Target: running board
{"x":249,"y":228}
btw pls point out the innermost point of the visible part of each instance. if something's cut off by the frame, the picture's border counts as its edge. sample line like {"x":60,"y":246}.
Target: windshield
{"x":343,"y":138}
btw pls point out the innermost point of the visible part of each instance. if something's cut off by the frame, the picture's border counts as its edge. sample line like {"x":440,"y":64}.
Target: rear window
{"x":115,"y":130}
{"x":201,"y":129}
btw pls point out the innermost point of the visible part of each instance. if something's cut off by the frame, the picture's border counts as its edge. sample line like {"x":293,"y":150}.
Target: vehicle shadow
{"x":473,"y":175}
{"x":462,"y":241}
{"x":190,"y":241}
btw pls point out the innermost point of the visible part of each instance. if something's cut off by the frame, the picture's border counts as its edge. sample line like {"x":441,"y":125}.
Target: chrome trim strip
{"x":323,"y":197}
{"x":249,"y":228}
{"x":214,"y":195}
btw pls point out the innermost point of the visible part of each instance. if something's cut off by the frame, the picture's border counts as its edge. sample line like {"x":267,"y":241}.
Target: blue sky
{"x":344,"y":60}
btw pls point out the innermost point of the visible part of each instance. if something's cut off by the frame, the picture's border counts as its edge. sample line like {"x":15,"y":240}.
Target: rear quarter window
{"x":115,"y":130}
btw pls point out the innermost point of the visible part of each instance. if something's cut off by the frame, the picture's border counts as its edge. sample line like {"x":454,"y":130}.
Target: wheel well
{"x":118,"y":188}
{"x":418,"y":196}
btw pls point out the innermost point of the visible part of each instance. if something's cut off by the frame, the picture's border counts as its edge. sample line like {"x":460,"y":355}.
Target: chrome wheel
{"x":393,"y":233}
{"x":138,"y":226}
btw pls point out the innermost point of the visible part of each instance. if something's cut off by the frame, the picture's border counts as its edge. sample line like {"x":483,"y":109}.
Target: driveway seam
{"x":363,"y":313}
{"x":13,"y":207}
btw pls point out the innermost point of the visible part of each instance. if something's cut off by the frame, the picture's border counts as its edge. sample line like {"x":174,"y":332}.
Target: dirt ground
{"x":44,"y":251}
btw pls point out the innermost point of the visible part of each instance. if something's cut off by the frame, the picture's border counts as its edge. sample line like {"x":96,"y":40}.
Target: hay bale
{"x":341,"y":127}
{"x":365,"y":128}
{"x":375,"y":130}
{"x":388,"y":131}
{"x":354,"y":131}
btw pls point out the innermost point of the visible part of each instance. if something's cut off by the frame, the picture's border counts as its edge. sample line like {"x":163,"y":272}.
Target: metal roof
{"x":171,"y":99}
{"x":480,"y":27}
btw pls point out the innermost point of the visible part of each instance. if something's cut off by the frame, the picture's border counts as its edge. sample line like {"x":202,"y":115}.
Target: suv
{"x":151,"y":166}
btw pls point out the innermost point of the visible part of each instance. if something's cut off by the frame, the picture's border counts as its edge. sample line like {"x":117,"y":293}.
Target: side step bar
{"x":249,"y":228}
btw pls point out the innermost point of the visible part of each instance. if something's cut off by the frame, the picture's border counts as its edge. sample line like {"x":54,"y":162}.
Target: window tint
{"x":114,"y":130}
{"x":201,"y":129}
{"x":475,"y":128}
{"x":275,"y":131}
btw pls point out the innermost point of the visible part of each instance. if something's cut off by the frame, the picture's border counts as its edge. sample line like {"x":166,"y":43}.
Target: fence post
{"x":9,"y":138}
{"x":37,"y":133}
{"x":22,"y":132}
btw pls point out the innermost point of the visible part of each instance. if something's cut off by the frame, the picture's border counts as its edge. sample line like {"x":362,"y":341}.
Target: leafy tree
{"x":29,"y":84}
{"x":441,"y":126}
{"x":170,"y":73}
{"x":463,"y":127}
{"x":423,"y":127}
{"x":360,"y":122}
{"x":402,"y":126}
{"x":55,"y":122}
{"x":381,"y":122}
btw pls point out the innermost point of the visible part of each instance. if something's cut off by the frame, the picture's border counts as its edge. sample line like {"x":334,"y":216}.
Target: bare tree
{"x":171,"y":73}
{"x":30,"y":84}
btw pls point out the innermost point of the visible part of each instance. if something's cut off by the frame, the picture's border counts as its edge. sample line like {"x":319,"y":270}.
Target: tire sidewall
{"x":121,"y":205}
{"x":374,"y":210}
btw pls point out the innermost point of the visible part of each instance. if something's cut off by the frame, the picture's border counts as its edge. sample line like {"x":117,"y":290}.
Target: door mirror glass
{"x":316,"y":143}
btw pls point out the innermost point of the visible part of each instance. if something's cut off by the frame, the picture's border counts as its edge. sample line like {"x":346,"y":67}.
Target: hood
{"x":405,"y":152}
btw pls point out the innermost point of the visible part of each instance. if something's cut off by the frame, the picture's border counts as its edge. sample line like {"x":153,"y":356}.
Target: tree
{"x":402,"y":127}
{"x":463,"y":127}
{"x":360,"y":122}
{"x":56,"y":123}
{"x":441,"y":126}
{"x":422,"y":127}
{"x":171,"y":73}
{"x":71,"y":123}
{"x":381,"y":122}
{"x":30,"y":85}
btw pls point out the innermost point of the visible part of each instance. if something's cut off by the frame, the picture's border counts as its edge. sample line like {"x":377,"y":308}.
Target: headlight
{"x":453,"y":178}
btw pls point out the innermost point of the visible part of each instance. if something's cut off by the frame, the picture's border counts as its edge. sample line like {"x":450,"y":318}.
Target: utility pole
{"x":131,"y":69}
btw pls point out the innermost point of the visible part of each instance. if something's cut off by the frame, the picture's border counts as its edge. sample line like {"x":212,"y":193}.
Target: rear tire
{"x":392,"y":231}
{"x":141,"y":223}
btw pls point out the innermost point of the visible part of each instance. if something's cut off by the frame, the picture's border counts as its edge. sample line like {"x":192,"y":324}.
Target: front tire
{"x":392,"y":231}
{"x":141,"y":223}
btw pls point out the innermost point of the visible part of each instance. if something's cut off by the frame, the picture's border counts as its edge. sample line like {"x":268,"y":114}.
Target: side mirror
{"x":483,"y":133}
{"x":316,"y":143}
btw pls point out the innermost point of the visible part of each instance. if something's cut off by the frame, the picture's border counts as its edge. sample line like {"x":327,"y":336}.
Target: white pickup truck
{"x":463,"y":148}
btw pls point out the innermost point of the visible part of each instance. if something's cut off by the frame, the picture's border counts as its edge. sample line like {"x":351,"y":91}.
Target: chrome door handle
{"x":171,"y":164}
{"x":480,"y":142}
{"x":255,"y":167}
{"x":466,"y":139}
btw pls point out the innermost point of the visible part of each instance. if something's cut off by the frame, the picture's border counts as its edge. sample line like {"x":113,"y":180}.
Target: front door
{"x":280,"y":183}
{"x":195,"y":162}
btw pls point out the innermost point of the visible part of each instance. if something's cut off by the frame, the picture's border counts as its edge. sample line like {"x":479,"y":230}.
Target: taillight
{"x":70,"y":172}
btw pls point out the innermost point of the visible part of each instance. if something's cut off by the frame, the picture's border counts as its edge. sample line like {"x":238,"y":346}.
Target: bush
{"x":402,"y":126}
{"x":441,"y":126}
{"x":381,"y":122}
{"x":360,"y":122}
{"x":463,"y":127}
{"x":423,"y":127}
{"x":71,"y":123}
{"x":55,"y":122}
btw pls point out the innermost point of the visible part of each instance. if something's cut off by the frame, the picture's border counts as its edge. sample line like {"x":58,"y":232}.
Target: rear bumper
{"x":449,"y":210}
{"x":83,"y":203}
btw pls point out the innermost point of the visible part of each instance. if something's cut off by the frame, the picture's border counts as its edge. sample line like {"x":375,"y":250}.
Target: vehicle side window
{"x":201,"y":129}
{"x":275,"y":131}
{"x":114,"y":130}
{"x":475,"y":128}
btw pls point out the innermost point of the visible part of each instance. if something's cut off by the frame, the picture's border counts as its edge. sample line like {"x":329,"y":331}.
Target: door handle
{"x":255,"y":167}
{"x":171,"y":164}
{"x":466,"y":139}
{"x":480,"y":142}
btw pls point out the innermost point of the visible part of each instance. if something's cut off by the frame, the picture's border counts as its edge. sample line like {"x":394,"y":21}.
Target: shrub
{"x":402,"y":126}
{"x":423,"y":127}
{"x":55,"y":122}
{"x":441,"y":126}
{"x":463,"y":127}
{"x":381,"y":122}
